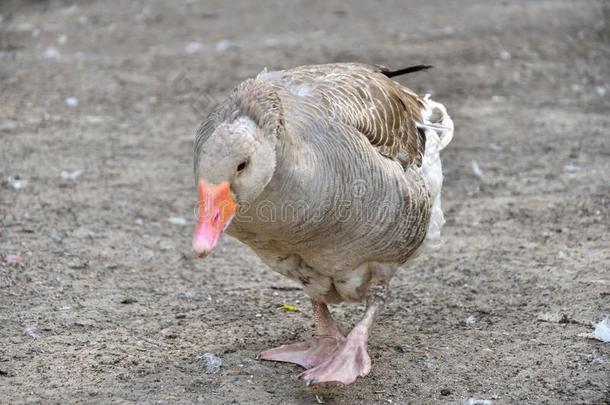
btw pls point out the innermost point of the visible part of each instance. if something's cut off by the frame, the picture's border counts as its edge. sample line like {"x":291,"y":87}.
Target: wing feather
{"x":364,"y":98}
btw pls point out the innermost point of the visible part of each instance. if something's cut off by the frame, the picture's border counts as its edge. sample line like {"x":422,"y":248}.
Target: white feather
{"x":438,"y":128}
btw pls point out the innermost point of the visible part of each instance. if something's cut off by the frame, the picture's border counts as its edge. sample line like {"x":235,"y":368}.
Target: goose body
{"x":347,"y":162}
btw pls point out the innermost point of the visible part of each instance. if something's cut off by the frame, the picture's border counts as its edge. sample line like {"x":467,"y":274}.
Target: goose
{"x":331,"y":174}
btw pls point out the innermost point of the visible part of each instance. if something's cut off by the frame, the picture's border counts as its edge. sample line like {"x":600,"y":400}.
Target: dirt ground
{"x":102,"y":300}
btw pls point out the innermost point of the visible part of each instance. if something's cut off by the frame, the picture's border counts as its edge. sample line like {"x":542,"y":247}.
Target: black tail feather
{"x":404,"y":71}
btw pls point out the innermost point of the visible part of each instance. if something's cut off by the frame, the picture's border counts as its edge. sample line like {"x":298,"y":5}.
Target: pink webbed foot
{"x":347,"y":363}
{"x":307,"y":354}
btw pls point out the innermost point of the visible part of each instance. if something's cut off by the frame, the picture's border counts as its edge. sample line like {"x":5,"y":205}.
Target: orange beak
{"x":216,"y":210}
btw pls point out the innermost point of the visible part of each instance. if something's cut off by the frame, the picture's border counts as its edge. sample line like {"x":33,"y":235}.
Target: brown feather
{"x":362,"y":97}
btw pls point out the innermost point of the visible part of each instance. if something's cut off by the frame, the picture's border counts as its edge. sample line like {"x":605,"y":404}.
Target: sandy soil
{"x":109,"y":304}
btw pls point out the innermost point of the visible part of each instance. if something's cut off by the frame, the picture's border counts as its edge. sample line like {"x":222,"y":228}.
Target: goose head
{"x":234,"y":162}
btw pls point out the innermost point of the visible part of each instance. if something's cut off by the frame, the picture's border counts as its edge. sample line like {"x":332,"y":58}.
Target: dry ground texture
{"x":109,"y":304}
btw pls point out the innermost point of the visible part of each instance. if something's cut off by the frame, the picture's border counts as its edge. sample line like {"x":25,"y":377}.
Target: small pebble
{"x":402,"y":348}
{"x":129,"y":300}
{"x":494,"y":147}
{"x":471,"y":320}
{"x":476,"y":170}
{"x":571,"y":169}
{"x":475,"y":401}
{"x":193,"y":47}
{"x":73,"y":175}
{"x":223,"y":45}
{"x":176,"y":220}
{"x":17,"y":183}
{"x":71,"y":102}
{"x":51,"y":53}
{"x":505,"y":55}
{"x":30,"y":331}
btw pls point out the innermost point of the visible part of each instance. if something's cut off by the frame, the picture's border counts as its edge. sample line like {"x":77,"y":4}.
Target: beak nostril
{"x":216,"y":217}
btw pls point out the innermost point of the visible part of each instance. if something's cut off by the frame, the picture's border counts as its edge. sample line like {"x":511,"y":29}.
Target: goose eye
{"x":242,"y":166}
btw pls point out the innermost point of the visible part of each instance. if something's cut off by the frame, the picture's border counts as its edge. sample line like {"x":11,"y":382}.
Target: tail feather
{"x":404,"y":71}
{"x":438,"y":128}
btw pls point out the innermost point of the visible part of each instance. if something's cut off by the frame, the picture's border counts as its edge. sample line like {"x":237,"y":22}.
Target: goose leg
{"x":351,"y":360}
{"x":326,"y":339}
